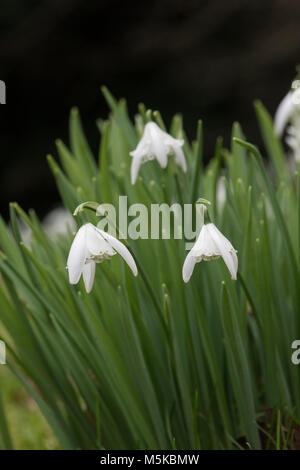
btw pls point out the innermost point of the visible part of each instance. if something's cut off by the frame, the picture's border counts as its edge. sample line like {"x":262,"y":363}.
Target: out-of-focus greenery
{"x":151,"y":362}
{"x":28,"y":427}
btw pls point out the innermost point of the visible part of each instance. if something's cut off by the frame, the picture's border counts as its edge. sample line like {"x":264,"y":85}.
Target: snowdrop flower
{"x":58,"y":222}
{"x":155,"y":143}
{"x":284,"y":113}
{"x":211,"y":244}
{"x":221,"y":194}
{"x":90,"y":246}
{"x":288,"y":111}
{"x":288,"y":108}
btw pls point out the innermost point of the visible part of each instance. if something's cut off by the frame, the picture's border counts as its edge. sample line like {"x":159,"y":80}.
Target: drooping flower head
{"x":90,"y":246}
{"x":211,"y":244}
{"x":156,"y":144}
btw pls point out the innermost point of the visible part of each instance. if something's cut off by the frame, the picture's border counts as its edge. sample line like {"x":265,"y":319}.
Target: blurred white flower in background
{"x":58,"y":222}
{"x":284,"y":113}
{"x":156,"y":144}
{"x":293,"y":137}
{"x":221,"y":194}
{"x":210,"y":245}
{"x":90,"y":246}
{"x":288,"y":112}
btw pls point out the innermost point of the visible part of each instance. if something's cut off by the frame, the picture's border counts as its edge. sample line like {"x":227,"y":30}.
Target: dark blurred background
{"x":207,"y":59}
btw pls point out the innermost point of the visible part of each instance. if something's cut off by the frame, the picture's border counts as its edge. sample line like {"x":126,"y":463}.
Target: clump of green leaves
{"x":149,"y":362}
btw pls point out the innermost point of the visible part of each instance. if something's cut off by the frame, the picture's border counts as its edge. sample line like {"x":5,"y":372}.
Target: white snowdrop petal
{"x":180,"y":158}
{"x":226,"y":249}
{"x":135,"y":166}
{"x":188,"y":266}
{"x":88,"y":274}
{"x":156,"y":143}
{"x":235,"y":263}
{"x":230,"y":263}
{"x":205,"y":245}
{"x":283,"y":113}
{"x":174,"y":142}
{"x":96,"y":245}
{"x":291,"y":142}
{"x":228,"y":260}
{"x":121,"y":249}
{"x":142,"y":148}
{"x":77,"y":255}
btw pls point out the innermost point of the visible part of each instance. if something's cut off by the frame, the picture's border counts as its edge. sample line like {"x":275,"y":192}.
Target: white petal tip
{"x":74,"y":275}
{"x":186,"y":276}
